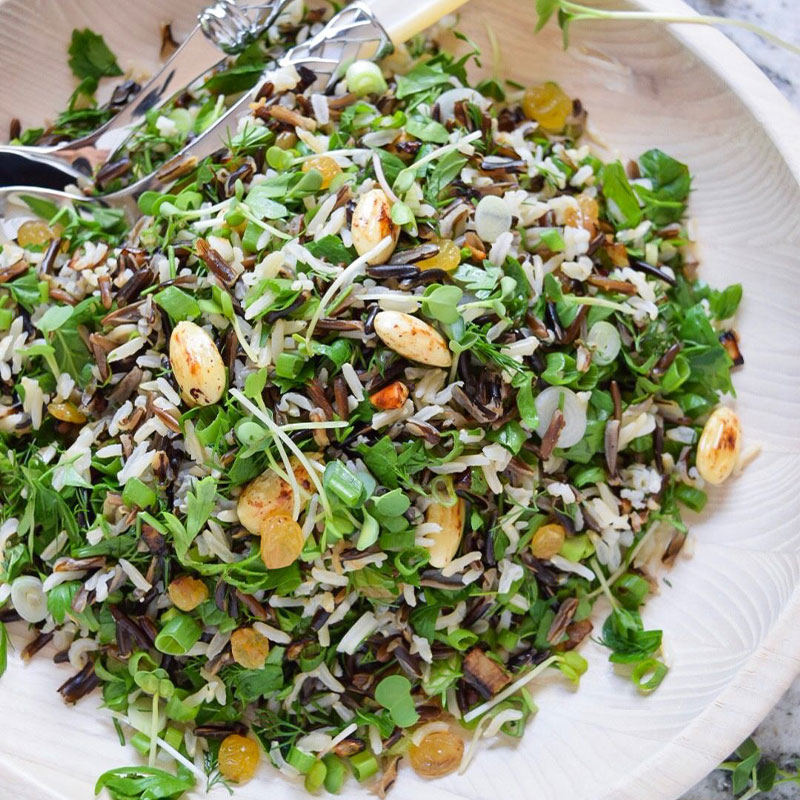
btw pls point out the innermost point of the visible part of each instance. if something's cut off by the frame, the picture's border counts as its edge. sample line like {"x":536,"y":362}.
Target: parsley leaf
{"x":624,"y":634}
{"x":481,"y":281}
{"x":90,"y":56}
{"x":381,"y":461}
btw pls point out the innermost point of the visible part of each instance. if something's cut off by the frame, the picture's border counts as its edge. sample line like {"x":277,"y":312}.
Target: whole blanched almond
{"x":412,"y":338}
{"x":718,"y":448}
{"x":451,"y":523}
{"x":196,"y":364}
{"x":372,"y":223}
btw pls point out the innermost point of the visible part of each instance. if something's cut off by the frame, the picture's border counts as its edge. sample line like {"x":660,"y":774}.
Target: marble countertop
{"x":779,"y":734}
{"x":779,"y":16}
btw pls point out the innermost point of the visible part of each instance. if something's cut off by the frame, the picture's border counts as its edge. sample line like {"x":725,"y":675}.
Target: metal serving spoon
{"x":222,"y":27}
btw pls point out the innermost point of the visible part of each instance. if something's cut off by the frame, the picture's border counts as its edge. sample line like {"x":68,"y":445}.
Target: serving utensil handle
{"x":404,"y":19}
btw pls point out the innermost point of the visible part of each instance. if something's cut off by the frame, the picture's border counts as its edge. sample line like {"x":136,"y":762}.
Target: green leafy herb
{"x":441,"y":303}
{"x":145,"y":783}
{"x":625,"y":636}
{"x":394,"y":694}
{"x":90,"y":56}
{"x":621,"y":202}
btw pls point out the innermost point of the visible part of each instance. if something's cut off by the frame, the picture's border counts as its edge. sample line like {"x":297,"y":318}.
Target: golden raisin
{"x":34,"y":233}
{"x":439,"y":753}
{"x":249,"y":648}
{"x":548,"y":540}
{"x":585,"y":216}
{"x":281,"y":541}
{"x":286,"y":140}
{"x":448,"y":258}
{"x":326,"y":166}
{"x":66,"y":412}
{"x":238,"y":758}
{"x":548,"y":104}
{"x":187,"y":592}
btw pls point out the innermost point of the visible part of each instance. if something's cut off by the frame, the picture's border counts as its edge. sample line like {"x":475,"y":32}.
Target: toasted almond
{"x":372,"y":223}
{"x":445,"y":541}
{"x":718,"y":448}
{"x":390,"y":397}
{"x":196,"y":364}
{"x":412,"y":338}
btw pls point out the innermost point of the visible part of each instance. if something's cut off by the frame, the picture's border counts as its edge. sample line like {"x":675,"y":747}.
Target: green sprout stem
{"x":579,"y":12}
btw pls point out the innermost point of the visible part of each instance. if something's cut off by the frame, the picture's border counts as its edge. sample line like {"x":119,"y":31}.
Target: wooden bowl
{"x":729,"y":613}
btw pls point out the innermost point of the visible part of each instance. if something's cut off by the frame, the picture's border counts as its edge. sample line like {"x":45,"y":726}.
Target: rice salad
{"x":328,"y":455}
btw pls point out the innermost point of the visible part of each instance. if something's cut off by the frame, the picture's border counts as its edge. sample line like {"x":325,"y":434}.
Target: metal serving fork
{"x":223,"y":26}
{"x":353,"y":33}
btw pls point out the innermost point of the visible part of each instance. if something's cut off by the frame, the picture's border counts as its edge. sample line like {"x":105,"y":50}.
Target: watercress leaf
{"x":252,"y":684}
{"x":441,"y":302}
{"x":766,"y":775}
{"x":423,"y":77}
{"x":624,"y":635}
{"x":392,"y":504}
{"x":394,"y":694}
{"x":260,"y":202}
{"x":90,"y":56}
{"x":658,"y":209}
{"x":25,"y":290}
{"x":553,"y":239}
{"x":392,"y":165}
{"x":178,"y":304}
{"x":199,"y":504}
{"x":235,"y":79}
{"x":525,"y":400}
{"x":750,"y":755}
{"x":427,"y":130}
{"x":671,"y":179}
{"x":331,"y":249}
{"x":370,"y":531}
{"x":423,"y":620}
{"x":621,"y":203}
{"x":54,"y":318}
{"x":724,"y":303}
{"x":144,"y":783}
{"x":42,"y":208}
{"x":254,"y":384}
{"x":444,"y":172}
{"x":70,"y":352}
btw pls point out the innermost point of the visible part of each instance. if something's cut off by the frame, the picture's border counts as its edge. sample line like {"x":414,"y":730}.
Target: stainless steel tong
{"x":223,"y":28}
{"x":354,"y":33}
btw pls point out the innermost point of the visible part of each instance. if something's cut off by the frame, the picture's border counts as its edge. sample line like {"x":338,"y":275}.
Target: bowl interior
{"x":722,"y":610}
